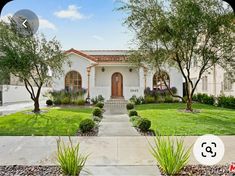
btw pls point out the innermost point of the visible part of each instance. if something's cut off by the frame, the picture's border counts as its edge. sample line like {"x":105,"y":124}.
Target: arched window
{"x":73,"y":81}
{"x":158,"y":82}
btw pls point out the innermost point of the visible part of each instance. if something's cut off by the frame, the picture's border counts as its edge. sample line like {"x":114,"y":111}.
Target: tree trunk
{"x":189,"y":104}
{"x":36,"y":105}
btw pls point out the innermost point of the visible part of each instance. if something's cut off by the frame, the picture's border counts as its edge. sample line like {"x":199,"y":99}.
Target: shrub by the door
{"x":129,"y":106}
{"x":100,"y":104}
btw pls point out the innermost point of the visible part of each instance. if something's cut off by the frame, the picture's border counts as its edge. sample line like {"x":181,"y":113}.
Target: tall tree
{"x":178,"y":33}
{"x":30,"y":59}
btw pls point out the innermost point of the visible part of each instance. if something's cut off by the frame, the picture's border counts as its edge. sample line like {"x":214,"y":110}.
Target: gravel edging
{"x":17,"y":170}
{"x":148,"y":133}
{"x":201,"y":170}
{"x":189,"y":170}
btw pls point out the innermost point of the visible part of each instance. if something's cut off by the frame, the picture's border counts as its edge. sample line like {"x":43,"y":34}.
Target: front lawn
{"x":55,"y":122}
{"x":168,"y":120}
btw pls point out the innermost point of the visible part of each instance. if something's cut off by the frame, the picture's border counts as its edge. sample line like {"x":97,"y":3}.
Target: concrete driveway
{"x":16,"y":107}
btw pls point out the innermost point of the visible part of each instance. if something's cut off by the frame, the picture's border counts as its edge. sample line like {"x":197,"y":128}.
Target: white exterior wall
{"x":14,"y":94}
{"x":103,"y":82}
{"x":77,"y":63}
{"x":176,"y":79}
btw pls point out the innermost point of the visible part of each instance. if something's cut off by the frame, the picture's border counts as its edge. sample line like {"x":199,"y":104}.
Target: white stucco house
{"x":106,"y":73}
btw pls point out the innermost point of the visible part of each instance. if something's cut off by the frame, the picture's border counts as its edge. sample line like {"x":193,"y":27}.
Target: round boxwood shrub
{"x":97,"y":112}
{"x":129,"y":106}
{"x":144,"y":124}
{"x":99,"y":104}
{"x":96,"y":119}
{"x":86,"y":125}
{"x":135,"y":120}
{"x":133,"y":113}
{"x":49,"y":102}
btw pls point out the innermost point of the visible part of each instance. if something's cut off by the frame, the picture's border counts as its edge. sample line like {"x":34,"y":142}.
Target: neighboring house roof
{"x":102,"y":55}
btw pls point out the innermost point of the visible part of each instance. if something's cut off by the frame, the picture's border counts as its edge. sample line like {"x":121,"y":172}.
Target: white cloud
{"x":45,"y":24}
{"x":71,"y":13}
{"x":98,"y":37}
{"x":6,"y":17}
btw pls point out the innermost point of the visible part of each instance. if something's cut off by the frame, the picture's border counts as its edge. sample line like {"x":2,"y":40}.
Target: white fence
{"x":15,"y":94}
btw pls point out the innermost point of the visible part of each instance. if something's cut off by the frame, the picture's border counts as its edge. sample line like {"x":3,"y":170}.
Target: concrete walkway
{"x":109,"y":156}
{"x":116,"y":125}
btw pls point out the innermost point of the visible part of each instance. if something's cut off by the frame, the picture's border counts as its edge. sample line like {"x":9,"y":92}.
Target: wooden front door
{"x":117,"y":85}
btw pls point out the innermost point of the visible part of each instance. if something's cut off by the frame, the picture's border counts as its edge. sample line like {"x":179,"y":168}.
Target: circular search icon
{"x":208,"y":149}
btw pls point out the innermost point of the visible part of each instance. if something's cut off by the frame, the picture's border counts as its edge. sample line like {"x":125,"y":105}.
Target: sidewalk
{"x":107,"y":154}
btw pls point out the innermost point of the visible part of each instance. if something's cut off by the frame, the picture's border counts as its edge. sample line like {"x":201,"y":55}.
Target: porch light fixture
{"x":102,"y":69}
{"x":130,"y":70}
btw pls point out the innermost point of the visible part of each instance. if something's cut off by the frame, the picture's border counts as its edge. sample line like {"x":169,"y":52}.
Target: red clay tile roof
{"x":110,"y":58}
{"x":80,"y":53}
{"x":101,"y":58}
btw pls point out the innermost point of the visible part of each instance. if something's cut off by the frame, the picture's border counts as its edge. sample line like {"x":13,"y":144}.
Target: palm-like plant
{"x":69,"y":159}
{"x":170,"y":154}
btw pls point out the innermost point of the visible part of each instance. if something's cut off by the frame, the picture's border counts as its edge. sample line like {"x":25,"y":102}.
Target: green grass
{"x":55,"y":122}
{"x":168,"y":120}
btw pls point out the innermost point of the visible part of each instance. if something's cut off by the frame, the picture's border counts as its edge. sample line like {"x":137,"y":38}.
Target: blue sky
{"x":80,"y":24}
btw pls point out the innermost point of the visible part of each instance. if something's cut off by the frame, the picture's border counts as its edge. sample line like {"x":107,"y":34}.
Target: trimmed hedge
{"x":133,"y":113}
{"x":100,"y":105}
{"x":86,"y":125}
{"x":226,"y":102}
{"x":144,"y":124}
{"x":97,"y":112}
{"x":129,"y":106}
{"x":97,"y":99}
{"x":204,"y":98}
{"x":134,"y":120}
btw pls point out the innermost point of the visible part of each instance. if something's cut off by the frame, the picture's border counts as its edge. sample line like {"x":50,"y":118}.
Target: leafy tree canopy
{"x":177,"y":33}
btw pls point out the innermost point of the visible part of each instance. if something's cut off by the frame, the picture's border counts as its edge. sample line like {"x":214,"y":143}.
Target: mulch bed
{"x":200,"y":170}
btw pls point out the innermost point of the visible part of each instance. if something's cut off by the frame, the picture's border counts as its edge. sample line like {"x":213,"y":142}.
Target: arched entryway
{"x":117,"y":85}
